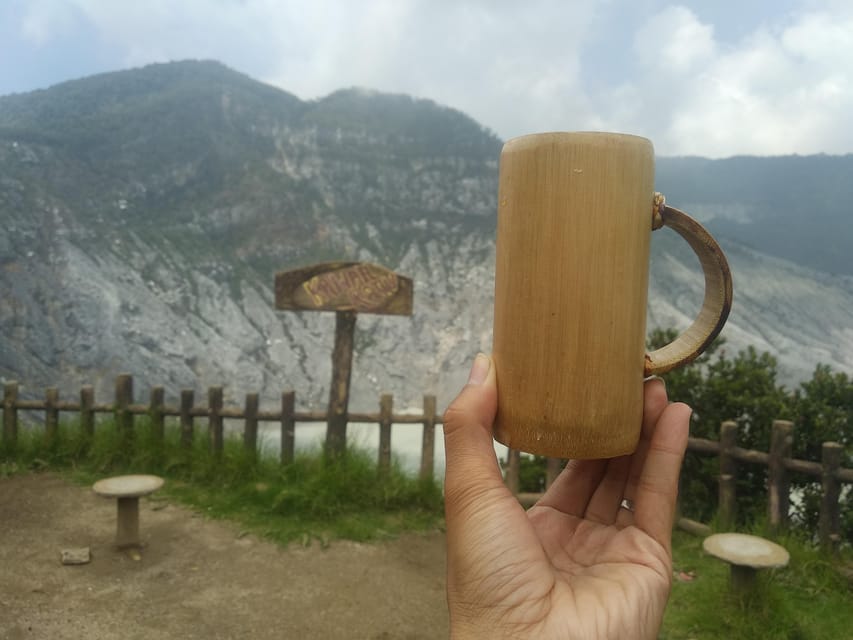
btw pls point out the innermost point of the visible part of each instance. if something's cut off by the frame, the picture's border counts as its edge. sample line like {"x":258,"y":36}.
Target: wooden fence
{"x":778,"y":460}
{"x":779,"y":463}
{"x":124,"y":410}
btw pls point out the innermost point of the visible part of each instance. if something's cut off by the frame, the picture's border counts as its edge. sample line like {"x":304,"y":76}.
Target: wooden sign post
{"x":347,"y":288}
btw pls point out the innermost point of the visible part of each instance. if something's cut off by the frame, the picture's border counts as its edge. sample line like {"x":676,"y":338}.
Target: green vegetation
{"x":309,"y":499}
{"x":419,"y":127}
{"x":808,"y":600}
{"x":744,"y":388}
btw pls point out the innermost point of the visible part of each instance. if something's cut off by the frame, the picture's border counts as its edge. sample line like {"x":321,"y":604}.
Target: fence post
{"x":214,"y":411}
{"x":829,"y":517}
{"x":124,"y":397}
{"x":428,"y":440}
{"x":51,"y":414}
{"x":10,"y":415}
{"x":778,"y":485}
{"x":728,"y":469}
{"x":553,"y":466}
{"x":250,"y":430}
{"x":288,"y":434}
{"x":386,"y":407}
{"x":87,"y":412}
{"x":155,"y":411}
{"x":513,"y":469}
{"x":187,"y":402}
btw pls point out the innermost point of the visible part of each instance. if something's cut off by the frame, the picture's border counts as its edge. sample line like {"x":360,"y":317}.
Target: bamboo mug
{"x":575,"y":216}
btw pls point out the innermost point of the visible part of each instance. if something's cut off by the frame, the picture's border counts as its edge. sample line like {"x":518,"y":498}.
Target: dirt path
{"x":199,"y":578}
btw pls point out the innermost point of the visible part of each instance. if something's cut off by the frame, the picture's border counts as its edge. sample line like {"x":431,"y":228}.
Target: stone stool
{"x":746,"y":554}
{"x":127,"y":489}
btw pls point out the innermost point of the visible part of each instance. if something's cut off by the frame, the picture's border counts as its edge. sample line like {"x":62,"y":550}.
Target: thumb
{"x":471,"y":465}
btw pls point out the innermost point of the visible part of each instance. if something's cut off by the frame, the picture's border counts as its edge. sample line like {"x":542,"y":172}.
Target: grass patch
{"x":314,"y":500}
{"x":311,"y":499}
{"x":808,"y":600}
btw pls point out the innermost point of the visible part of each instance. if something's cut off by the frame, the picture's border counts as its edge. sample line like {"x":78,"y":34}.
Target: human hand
{"x":575,"y":565}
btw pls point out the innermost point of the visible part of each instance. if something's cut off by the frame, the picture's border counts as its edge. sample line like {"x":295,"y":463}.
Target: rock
{"x":79,"y":555}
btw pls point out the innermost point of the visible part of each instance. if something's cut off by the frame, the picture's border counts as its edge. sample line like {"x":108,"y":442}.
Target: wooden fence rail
{"x":779,"y":463}
{"x":124,"y":411}
{"x":778,"y":459}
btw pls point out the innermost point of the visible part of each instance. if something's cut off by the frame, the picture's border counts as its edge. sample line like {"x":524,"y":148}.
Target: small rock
{"x":79,"y":555}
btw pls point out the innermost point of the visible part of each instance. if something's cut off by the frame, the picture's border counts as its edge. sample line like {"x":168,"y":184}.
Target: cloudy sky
{"x":708,"y":77}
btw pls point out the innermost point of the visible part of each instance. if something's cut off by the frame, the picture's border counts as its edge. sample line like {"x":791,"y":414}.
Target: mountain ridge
{"x":147,"y":242}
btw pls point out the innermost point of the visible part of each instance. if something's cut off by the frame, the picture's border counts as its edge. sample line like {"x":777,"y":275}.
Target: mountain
{"x":794,"y":207}
{"x":143,"y":214}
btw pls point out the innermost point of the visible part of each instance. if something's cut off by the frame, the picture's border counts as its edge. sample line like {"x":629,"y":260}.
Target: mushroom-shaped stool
{"x":127,"y":489}
{"x":746,"y":554}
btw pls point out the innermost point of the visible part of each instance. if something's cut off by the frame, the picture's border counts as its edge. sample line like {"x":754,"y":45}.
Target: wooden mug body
{"x":571,"y":281}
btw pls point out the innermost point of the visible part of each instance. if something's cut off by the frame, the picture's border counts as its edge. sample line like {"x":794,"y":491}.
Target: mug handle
{"x":718,"y":292}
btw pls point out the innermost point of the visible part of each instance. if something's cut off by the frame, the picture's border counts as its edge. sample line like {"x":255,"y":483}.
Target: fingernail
{"x":662,"y":381}
{"x":479,"y":370}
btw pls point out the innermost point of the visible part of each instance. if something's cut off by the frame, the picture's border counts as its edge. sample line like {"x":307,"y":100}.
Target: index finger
{"x":657,"y":488}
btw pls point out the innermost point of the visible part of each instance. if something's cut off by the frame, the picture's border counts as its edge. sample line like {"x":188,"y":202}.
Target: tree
{"x":719,"y":388}
{"x":823,"y":412}
{"x":684,"y":384}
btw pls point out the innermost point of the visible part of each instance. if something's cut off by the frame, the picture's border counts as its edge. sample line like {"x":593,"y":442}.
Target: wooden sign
{"x":347,"y":288}
{"x":344,"y":286}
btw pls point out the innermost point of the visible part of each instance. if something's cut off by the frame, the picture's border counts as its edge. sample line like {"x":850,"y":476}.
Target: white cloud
{"x":45,"y":20}
{"x":510,"y":68}
{"x":776,"y":91}
{"x":674,"y":39}
{"x":783,"y":84}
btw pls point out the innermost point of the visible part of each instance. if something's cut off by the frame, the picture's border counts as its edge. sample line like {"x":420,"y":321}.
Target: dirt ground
{"x":200,"y":578}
